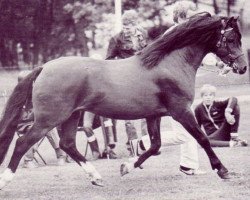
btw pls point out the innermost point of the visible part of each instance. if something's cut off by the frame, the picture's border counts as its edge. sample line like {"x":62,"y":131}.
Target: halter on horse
{"x":158,"y":81}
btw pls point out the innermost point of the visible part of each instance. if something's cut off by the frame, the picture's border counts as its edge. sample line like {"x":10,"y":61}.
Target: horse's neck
{"x":192,"y":55}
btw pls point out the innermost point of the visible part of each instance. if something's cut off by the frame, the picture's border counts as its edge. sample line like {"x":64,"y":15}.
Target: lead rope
{"x":210,"y":70}
{"x":221,"y":72}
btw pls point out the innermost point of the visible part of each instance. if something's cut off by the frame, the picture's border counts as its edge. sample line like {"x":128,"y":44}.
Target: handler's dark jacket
{"x":213,"y":117}
{"x":121,"y":46}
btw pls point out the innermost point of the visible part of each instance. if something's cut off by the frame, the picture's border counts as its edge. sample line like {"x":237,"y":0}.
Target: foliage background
{"x":35,"y":31}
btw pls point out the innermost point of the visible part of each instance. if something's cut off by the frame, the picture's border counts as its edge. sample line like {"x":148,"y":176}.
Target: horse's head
{"x":228,"y":47}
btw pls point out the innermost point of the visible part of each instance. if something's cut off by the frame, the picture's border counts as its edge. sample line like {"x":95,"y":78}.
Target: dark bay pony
{"x":159,"y":80}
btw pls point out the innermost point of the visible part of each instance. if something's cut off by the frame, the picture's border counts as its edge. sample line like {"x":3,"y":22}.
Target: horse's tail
{"x":12,"y":112}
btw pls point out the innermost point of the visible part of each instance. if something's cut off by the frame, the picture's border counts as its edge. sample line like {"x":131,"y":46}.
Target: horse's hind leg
{"x":68,"y":144}
{"x":23,"y":144}
{"x":187,"y":119}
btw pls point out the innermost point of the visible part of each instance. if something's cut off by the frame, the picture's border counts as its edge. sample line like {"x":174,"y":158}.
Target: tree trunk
{"x":8,"y":53}
{"x":2,"y":53}
{"x":228,"y":7}
{"x":26,"y":52}
{"x":14,"y":55}
{"x":216,"y":8}
{"x":35,"y":59}
{"x":81,"y":39}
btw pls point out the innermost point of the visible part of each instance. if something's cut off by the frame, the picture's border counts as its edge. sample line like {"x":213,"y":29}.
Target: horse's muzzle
{"x":243,"y":70}
{"x":238,"y":70}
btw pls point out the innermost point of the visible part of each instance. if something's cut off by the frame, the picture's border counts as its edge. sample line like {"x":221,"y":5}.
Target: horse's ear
{"x":232,"y":21}
{"x":236,"y":18}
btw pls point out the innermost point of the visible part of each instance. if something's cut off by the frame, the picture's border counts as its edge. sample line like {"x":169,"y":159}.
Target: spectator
{"x":126,"y":43}
{"x":220,"y":119}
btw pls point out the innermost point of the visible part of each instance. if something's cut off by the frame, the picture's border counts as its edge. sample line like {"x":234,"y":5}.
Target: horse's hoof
{"x":140,"y":167}
{"x":223,"y":174}
{"x":98,"y":182}
{"x":124,"y":169}
{"x":6,"y":178}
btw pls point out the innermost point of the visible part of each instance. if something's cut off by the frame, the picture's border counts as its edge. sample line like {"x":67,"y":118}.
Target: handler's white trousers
{"x":174,"y":135}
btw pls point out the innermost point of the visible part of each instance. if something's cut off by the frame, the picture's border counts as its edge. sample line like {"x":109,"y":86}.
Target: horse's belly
{"x":128,"y":100}
{"x":134,"y":109}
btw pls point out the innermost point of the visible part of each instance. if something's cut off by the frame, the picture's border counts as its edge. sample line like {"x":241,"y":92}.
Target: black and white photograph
{"x":124,"y":99}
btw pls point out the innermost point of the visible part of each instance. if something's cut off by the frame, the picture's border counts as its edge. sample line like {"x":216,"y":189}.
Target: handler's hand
{"x":230,"y":118}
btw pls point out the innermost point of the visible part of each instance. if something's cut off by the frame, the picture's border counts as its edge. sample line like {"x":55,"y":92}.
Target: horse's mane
{"x":157,"y":31}
{"x":200,"y":28}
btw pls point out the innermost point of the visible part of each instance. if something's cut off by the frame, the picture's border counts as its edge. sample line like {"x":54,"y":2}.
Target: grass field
{"x":160,"y":178}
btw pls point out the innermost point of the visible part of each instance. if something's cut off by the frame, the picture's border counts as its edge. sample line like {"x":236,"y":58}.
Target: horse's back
{"x":68,"y":69}
{"x":60,"y":83}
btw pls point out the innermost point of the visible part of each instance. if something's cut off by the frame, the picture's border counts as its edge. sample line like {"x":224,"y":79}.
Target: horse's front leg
{"x":187,"y":119}
{"x":153,"y":125}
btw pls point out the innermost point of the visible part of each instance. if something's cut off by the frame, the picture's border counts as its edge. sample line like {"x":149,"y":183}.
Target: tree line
{"x":35,"y":31}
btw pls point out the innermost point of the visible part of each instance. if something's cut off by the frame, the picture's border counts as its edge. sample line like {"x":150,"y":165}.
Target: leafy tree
{"x":16,"y":22}
{"x":35,"y":31}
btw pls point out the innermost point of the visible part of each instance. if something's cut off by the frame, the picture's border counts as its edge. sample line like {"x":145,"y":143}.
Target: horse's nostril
{"x":243,"y":70}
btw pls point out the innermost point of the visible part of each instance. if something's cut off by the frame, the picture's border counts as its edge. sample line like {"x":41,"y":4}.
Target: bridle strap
{"x":223,"y":40}
{"x":222,"y":37}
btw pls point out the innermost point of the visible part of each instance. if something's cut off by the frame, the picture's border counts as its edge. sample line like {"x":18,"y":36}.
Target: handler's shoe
{"x":189,"y":171}
{"x":29,"y":164}
{"x":112,"y":155}
{"x":238,"y":143}
{"x":95,"y":155}
{"x":61,"y":161}
{"x":109,"y":154}
{"x":69,"y":159}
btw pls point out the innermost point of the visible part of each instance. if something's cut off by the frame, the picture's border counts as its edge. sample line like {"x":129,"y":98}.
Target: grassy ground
{"x":160,"y":178}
